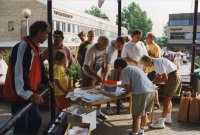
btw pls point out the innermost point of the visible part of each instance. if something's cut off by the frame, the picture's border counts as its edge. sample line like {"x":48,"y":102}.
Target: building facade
{"x":70,"y":21}
{"x":180,"y":32}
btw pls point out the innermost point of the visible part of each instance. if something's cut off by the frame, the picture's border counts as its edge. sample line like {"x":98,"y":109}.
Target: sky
{"x":157,"y":10}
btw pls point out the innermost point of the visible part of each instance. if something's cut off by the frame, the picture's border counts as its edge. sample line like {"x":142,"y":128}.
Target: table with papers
{"x":94,"y":97}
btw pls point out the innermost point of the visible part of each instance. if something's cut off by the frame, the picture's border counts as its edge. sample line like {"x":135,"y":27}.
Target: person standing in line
{"x":82,"y":36}
{"x":94,"y":60}
{"x":110,"y":73}
{"x":154,"y":51}
{"x":25,"y":71}
{"x":136,"y":82}
{"x":166,"y":72}
{"x":134,"y":49}
{"x":58,"y":45}
{"x":127,"y":38}
{"x":82,"y":50}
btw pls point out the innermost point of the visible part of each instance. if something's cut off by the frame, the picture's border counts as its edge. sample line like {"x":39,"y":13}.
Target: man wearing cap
{"x":57,"y":45}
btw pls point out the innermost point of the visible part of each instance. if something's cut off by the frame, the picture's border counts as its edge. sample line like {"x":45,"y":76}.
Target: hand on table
{"x":37,"y":99}
{"x":99,"y":80}
{"x":71,"y":89}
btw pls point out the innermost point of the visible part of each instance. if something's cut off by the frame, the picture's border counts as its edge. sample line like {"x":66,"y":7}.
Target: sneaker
{"x":140,"y":133}
{"x":168,"y":121}
{"x":108,"y":110}
{"x":122,"y":106}
{"x":157,"y":125}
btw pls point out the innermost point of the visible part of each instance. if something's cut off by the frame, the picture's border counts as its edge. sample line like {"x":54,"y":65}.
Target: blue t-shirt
{"x":136,"y":77}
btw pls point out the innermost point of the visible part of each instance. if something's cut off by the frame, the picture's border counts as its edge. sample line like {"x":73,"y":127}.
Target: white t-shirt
{"x":162,"y":65}
{"x":178,"y":58}
{"x":94,"y":59}
{"x":111,"y":54}
{"x":3,"y":70}
{"x":184,"y":57}
{"x":136,"y":77}
{"x":134,"y":51}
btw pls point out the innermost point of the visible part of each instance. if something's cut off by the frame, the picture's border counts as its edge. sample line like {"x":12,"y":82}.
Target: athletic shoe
{"x":168,"y":121}
{"x":157,"y":125}
{"x":108,"y":110}
{"x":122,"y":106}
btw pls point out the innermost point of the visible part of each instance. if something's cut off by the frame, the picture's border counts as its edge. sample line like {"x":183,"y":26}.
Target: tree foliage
{"x":95,"y":11}
{"x":135,"y":18}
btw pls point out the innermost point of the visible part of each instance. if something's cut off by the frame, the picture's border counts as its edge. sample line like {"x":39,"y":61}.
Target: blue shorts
{"x":152,"y":75}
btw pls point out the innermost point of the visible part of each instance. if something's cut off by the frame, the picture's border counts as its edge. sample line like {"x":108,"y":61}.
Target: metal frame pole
{"x":50,"y":49}
{"x":194,"y":44}
{"x":27,"y":26}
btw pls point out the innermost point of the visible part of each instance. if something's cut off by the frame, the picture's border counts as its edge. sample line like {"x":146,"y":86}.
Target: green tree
{"x":95,"y":11}
{"x":135,"y":18}
{"x":165,"y":32}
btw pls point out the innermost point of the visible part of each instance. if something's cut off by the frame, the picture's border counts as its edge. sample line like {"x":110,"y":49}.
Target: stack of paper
{"x":93,"y":97}
{"x":118,"y":92}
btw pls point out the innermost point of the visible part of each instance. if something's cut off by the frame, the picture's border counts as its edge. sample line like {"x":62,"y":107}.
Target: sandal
{"x":156,"y":106}
{"x":102,"y":116}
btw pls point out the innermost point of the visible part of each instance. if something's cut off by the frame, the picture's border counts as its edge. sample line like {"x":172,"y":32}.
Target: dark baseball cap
{"x":58,"y":33}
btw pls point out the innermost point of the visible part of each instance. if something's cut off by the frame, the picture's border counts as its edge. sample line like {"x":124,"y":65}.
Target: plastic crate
{"x":110,"y":86}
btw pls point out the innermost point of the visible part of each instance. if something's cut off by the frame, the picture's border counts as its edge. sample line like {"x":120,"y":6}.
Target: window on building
{"x":69,"y":28}
{"x":52,"y":25}
{"x":97,"y":32}
{"x":179,"y":35}
{"x":63,"y":27}
{"x":57,"y":25}
{"x":78,"y":28}
{"x":197,"y":36}
{"x":11,"y":26}
{"x":73,"y":28}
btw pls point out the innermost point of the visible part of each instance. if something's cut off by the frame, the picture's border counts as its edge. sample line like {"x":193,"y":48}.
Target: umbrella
{"x":180,"y":53}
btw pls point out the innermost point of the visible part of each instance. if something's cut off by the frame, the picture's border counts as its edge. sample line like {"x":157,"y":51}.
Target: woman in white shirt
{"x":166,"y":72}
{"x":3,"y":70}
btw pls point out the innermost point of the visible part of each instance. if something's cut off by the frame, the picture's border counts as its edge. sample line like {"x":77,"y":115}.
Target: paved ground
{"x":120,"y":124}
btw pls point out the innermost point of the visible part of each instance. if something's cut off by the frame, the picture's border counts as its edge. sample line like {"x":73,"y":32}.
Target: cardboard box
{"x":89,"y":118}
{"x":82,"y":125}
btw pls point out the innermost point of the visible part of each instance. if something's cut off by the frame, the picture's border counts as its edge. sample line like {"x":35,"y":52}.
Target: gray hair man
{"x":94,"y":60}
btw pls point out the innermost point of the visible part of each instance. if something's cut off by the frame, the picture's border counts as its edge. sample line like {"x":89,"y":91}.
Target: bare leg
{"x":156,"y":97}
{"x":58,"y":110}
{"x":144,"y":120}
{"x":167,"y":106}
{"x":136,"y":123}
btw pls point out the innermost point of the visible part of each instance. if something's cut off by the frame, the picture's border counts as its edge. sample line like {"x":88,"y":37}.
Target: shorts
{"x":87,"y":81}
{"x":142,"y":103}
{"x":61,"y":101}
{"x":173,"y":85}
{"x":113,"y":75}
{"x":152,"y":75}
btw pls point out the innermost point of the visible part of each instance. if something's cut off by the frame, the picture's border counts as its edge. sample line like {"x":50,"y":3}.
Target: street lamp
{"x":26,"y":13}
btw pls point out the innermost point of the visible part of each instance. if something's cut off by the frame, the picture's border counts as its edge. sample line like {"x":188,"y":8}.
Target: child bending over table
{"x":61,"y":81}
{"x":135,"y":81}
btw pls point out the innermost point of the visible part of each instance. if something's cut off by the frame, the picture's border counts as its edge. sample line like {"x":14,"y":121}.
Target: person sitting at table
{"x":166,"y":72}
{"x":135,"y":81}
{"x":60,"y":80}
{"x":94,"y":60}
{"x":110,"y":73}
{"x":3,"y":70}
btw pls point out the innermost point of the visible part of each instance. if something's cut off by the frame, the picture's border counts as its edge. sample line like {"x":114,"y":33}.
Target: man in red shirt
{"x":57,"y":45}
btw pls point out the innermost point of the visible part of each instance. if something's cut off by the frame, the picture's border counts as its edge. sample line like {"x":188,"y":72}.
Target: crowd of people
{"x":141,"y":68}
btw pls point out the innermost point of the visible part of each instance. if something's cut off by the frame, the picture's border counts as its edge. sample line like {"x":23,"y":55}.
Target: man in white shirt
{"x":184,"y":59}
{"x":135,"y":81}
{"x":134,"y":49}
{"x":110,"y":73}
{"x":94,"y":60}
